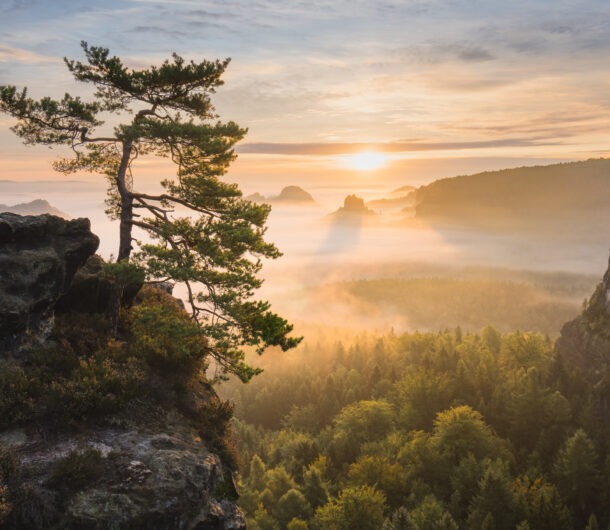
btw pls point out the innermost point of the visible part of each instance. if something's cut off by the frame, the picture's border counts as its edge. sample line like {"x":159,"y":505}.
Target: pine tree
{"x":204,"y":235}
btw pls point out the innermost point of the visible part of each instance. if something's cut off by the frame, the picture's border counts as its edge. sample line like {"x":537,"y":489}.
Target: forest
{"x":440,"y":430}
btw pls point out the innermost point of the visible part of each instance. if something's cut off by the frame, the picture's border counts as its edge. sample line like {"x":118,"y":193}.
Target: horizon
{"x":318,"y":87}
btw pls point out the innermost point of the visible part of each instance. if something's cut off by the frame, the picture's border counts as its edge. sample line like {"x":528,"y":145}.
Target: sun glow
{"x":365,"y":161}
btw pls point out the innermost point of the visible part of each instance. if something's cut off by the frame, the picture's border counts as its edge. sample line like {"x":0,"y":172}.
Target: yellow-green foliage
{"x":467,"y":430}
{"x":163,"y":334}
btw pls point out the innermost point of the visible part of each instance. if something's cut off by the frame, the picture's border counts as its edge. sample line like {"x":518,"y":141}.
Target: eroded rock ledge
{"x":140,"y":481}
{"x":39,"y":256}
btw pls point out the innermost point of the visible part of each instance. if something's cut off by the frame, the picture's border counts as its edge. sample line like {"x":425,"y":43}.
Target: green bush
{"x":16,"y":401}
{"x":78,"y":470}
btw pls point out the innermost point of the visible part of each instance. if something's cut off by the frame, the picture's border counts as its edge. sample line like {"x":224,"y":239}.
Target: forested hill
{"x":572,"y":195}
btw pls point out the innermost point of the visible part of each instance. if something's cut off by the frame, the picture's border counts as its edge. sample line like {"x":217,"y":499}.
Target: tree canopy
{"x":200,"y":231}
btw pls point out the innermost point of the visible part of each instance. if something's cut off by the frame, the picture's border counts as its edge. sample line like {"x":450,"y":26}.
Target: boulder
{"x":39,"y":256}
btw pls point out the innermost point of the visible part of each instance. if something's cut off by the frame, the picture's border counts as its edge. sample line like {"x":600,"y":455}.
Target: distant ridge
{"x":256,"y":197}
{"x":403,"y":190}
{"x":35,"y":207}
{"x":572,"y":195}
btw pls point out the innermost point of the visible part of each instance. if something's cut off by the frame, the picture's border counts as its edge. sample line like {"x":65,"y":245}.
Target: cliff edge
{"x":104,"y":423}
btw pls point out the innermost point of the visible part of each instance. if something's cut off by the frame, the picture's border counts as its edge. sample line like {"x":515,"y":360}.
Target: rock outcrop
{"x":294,"y":194}
{"x":92,"y":292}
{"x":585,"y":341}
{"x":94,"y":432}
{"x":111,"y":478}
{"x":39,"y":256}
{"x":583,"y":347}
{"x":290,"y":195}
{"x":353,"y":211}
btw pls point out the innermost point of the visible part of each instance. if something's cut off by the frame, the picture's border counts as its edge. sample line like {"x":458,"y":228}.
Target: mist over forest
{"x":429,"y":317}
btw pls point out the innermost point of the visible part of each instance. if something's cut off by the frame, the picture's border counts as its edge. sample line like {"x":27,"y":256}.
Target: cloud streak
{"x":10,"y":53}
{"x":328,"y":148}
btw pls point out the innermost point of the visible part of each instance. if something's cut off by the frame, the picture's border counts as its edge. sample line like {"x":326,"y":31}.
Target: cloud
{"x":343,"y":148}
{"x":434,"y":52}
{"x":473,"y":54}
{"x":157,"y":30}
{"x":10,"y":53}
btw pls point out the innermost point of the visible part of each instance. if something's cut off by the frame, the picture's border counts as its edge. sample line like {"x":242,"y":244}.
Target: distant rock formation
{"x":38,"y":259}
{"x":35,"y":207}
{"x":294,"y":194}
{"x":288,"y":195}
{"x":398,"y":203}
{"x":256,"y":197}
{"x":403,"y":191}
{"x":353,"y":210}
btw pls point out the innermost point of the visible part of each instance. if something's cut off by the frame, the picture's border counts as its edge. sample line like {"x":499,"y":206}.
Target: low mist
{"x":386,"y":270}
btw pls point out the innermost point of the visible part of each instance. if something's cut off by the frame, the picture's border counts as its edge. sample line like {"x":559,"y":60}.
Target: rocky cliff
{"x":39,"y":256}
{"x":102,"y":426}
{"x":583,"y":347}
{"x":585,"y":341}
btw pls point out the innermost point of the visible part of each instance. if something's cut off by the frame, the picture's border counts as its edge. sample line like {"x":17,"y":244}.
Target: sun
{"x":365,"y":161}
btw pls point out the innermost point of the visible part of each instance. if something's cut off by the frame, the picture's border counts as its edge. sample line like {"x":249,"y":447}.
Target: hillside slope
{"x":574,"y":196}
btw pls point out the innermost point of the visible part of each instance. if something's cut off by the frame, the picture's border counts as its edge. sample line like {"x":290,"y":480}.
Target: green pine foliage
{"x":199,"y":230}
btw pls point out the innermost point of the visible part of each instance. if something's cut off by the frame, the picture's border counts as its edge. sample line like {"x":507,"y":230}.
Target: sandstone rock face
{"x":144,"y":481}
{"x":584,"y":346}
{"x":39,"y":255}
{"x":585,"y":341}
{"x":140,"y":465}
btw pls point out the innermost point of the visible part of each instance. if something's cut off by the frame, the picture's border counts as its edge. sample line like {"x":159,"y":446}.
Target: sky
{"x":435,"y":87}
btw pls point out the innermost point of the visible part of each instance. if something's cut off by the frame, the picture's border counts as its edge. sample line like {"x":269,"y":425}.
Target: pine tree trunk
{"x":126,"y":204}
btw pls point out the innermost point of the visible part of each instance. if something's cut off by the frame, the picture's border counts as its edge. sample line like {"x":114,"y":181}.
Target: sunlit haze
{"x":343,"y":98}
{"x":365,"y":161}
